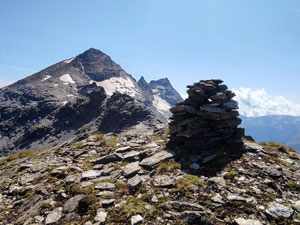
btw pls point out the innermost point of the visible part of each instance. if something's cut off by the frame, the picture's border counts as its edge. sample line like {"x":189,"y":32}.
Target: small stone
{"x":98,"y":167}
{"x":131,"y":169}
{"x":151,"y":145}
{"x":134,"y":182}
{"x":60,"y":172}
{"x":123,"y":149}
{"x":116,"y":174}
{"x":274,"y":172}
{"x":14,"y":189}
{"x":218,"y":180}
{"x":101,"y":216}
{"x":194,"y":166}
{"x":107,"y":202}
{"x":106,"y":171}
{"x":231,"y":105}
{"x":242,"y":221}
{"x":131,"y":156}
{"x":76,"y":169}
{"x":107,"y":159}
{"x":296,"y":206}
{"x":236,"y":198}
{"x":64,"y":195}
{"x":105,"y":193}
{"x":71,"y":179}
{"x":26,"y":179}
{"x":154,"y":199}
{"x":39,"y":219}
{"x":163,"y":181}
{"x":217,"y":199}
{"x":148,"y":207}
{"x":24,"y":167}
{"x":253,"y":147}
{"x":277,"y":210}
{"x":105,"y":187}
{"x":218,"y":97}
{"x":136,"y":219}
{"x":72,"y":203}
{"x":179,"y":205}
{"x":152,"y":161}
{"x":121,"y":204}
{"x":257,"y":190}
{"x":91,"y":174}
{"x":86,"y":184}
{"x":54,"y":216}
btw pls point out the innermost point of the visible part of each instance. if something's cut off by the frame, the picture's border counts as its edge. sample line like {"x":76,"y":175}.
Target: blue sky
{"x":251,"y":44}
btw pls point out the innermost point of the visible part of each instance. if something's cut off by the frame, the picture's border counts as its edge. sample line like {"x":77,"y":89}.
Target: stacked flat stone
{"x":207,"y":121}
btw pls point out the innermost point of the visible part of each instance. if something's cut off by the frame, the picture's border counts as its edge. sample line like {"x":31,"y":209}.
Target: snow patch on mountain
{"x":160,"y":104}
{"x":69,"y":60}
{"x":66,"y":78}
{"x":118,"y":84}
{"x":47,"y":77}
{"x":158,"y":89}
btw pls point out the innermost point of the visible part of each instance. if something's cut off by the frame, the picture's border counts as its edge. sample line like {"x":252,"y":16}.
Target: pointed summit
{"x":91,"y":54}
{"x":143,"y":84}
{"x":97,"y":65}
{"x":163,"y":81}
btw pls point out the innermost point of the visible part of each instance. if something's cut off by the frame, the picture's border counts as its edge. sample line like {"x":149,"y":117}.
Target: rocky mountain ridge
{"x":34,"y":112}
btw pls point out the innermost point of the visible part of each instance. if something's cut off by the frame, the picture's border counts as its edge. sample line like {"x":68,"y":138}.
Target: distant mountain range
{"x":81,"y":95}
{"x":279,"y":128}
{"x":90,"y":92}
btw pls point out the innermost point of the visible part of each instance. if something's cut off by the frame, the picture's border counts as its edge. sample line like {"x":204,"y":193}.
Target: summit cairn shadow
{"x":204,"y":126}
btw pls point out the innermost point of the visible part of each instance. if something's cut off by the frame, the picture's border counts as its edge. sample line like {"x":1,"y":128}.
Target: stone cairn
{"x":206,"y":123}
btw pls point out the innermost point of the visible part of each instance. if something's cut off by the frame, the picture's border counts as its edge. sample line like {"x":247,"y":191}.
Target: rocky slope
{"x":72,"y":97}
{"x":132,"y":178}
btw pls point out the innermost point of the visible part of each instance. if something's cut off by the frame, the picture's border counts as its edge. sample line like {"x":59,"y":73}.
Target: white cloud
{"x":260,"y":103}
{"x":4,"y":83}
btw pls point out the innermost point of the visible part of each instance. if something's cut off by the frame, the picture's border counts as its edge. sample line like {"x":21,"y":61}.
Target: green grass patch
{"x":186,"y":185}
{"x":132,"y":207}
{"x":230,"y":175}
{"x":279,"y":161}
{"x":293,"y":185}
{"x":168,"y":167}
{"x":20,"y":155}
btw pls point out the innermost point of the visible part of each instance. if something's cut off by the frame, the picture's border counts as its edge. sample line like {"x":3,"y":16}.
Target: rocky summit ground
{"x":133,"y":178}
